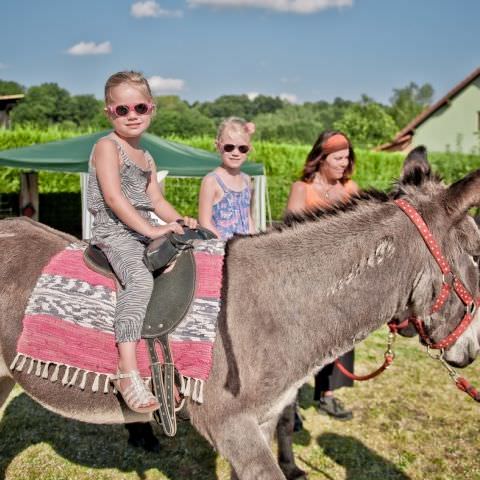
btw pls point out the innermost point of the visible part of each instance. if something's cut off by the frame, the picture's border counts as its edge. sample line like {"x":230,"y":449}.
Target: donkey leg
{"x":241,"y":441}
{"x":141,"y":435}
{"x":286,"y":459}
{"x":6,"y":381}
{"x":6,"y":386}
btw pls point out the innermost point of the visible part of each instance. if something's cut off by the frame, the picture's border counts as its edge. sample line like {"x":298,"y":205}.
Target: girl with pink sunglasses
{"x":122,"y":191}
{"x":225,"y":193}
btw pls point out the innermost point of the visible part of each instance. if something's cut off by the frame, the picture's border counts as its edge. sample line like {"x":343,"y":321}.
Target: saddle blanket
{"x":69,"y":318}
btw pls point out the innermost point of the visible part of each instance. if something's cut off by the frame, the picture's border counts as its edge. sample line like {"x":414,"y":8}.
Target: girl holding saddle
{"x":122,"y":191}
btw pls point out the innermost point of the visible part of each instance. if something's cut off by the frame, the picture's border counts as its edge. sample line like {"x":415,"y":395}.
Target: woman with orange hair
{"x":326,"y":182}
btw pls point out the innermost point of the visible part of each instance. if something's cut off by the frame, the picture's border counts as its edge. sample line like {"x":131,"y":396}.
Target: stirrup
{"x":136,"y":395}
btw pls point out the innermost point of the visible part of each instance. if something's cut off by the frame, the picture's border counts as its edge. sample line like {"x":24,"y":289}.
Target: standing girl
{"x":225,"y":193}
{"x":324,"y":183}
{"x":122,"y":191}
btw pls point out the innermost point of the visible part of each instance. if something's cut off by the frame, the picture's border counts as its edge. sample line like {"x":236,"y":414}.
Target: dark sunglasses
{"x":229,"y":147}
{"x":140,"y":108}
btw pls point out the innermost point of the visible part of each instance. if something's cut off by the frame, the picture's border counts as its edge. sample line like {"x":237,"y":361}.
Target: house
{"x":451,"y":124}
{"x":7,"y":102}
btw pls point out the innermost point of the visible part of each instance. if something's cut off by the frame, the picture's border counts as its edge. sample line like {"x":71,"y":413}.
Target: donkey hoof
{"x":292,"y":472}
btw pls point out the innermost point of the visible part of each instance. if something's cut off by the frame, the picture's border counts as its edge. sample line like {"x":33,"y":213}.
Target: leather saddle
{"x":172,"y":296}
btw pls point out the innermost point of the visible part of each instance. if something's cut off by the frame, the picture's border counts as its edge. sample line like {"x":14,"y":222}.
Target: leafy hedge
{"x":283,"y":164}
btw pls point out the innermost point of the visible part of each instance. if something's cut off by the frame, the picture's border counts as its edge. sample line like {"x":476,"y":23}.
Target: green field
{"x":409,"y":423}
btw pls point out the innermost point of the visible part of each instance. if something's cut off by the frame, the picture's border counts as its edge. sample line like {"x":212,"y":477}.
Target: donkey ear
{"x":463,"y":195}
{"x":416,"y":168}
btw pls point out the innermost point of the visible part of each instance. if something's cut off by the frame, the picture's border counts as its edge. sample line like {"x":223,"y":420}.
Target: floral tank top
{"x":230,"y":214}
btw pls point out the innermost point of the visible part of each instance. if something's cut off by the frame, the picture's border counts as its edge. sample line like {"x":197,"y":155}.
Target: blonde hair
{"x":135,"y":79}
{"x":237,"y":124}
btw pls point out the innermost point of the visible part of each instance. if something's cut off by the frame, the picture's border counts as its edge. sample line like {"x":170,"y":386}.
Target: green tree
{"x":44,"y":105}
{"x":409,"y":101}
{"x":85,"y":110}
{"x":227,"y":106}
{"x":175,"y":117}
{"x":367,"y":124}
{"x":10,"y":88}
{"x":328,"y":113}
{"x":265,"y":104}
{"x":292,"y":123}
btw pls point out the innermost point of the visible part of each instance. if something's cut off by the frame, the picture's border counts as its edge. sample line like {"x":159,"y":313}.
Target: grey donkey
{"x":293,"y":299}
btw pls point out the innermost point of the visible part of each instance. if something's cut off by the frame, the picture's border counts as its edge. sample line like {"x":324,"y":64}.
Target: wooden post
{"x":29,"y":195}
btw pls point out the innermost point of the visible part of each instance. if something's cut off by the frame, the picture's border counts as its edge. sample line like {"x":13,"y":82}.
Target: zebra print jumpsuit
{"x":123,"y":246}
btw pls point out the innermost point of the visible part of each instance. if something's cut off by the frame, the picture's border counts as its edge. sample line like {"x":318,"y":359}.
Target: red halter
{"x":449,"y":281}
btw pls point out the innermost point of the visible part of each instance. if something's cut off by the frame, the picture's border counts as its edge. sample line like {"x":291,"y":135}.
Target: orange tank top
{"x":314,"y":200}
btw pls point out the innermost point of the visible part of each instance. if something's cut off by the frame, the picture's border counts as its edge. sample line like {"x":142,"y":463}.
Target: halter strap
{"x":449,"y":280}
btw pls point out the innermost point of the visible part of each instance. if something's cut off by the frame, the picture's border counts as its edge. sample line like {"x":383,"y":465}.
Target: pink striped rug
{"x":69,"y":323}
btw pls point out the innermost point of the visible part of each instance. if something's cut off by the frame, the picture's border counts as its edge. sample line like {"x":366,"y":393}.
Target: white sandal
{"x":136,"y":395}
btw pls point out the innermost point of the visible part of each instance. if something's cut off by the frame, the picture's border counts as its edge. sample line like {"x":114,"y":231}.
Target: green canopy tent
{"x":179,"y":160}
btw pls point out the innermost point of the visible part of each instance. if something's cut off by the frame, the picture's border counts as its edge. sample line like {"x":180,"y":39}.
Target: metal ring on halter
{"x":448,"y":278}
{"x":471,"y":308}
{"x":435,"y":355}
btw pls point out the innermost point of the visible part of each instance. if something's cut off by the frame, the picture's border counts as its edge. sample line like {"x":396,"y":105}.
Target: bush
{"x":283,"y":164}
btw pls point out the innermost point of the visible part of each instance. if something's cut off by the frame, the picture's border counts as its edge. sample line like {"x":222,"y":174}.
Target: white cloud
{"x":289,"y":97}
{"x":294,"y":6}
{"x":161,"y":86}
{"x":252,"y":95}
{"x":90,"y":48}
{"x":151,"y":8}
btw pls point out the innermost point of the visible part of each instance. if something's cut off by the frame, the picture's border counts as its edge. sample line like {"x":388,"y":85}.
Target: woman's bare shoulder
{"x":298,"y":187}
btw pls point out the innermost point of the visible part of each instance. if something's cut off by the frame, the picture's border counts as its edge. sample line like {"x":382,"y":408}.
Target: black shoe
{"x":334,"y":407}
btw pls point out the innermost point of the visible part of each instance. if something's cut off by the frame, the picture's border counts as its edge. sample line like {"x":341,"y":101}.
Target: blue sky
{"x":303,"y":50}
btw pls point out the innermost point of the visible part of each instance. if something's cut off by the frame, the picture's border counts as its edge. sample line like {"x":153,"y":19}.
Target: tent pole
{"x":87,"y":218}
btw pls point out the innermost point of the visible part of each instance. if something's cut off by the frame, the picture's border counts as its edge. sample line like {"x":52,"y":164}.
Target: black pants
{"x":331,"y":378}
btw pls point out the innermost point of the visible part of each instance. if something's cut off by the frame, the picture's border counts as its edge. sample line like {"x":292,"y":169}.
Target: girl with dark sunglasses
{"x":122,"y":191}
{"x":225,"y":193}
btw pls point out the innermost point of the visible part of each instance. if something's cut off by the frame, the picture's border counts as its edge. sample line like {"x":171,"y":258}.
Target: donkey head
{"x":445,"y":211}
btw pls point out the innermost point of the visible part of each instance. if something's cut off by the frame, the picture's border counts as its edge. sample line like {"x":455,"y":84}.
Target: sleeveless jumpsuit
{"x":123,"y":246}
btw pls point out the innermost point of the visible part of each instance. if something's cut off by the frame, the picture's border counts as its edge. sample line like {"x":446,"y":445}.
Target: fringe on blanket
{"x":74,"y":376}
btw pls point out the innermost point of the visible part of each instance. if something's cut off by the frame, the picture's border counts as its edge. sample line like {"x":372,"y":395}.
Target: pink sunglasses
{"x":123,"y":110}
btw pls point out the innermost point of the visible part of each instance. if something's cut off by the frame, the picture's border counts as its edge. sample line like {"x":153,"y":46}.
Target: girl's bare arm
{"x":205,"y":204}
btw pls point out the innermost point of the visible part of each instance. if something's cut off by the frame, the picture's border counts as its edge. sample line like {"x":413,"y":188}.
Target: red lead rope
{"x":389,"y":357}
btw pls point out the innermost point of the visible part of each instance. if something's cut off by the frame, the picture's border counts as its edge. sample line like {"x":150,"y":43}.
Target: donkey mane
{"x":370,"y":195}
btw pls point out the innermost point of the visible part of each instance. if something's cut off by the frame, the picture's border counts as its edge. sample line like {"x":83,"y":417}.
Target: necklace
{"x":323,"y":185}
{"x":327,"y":192}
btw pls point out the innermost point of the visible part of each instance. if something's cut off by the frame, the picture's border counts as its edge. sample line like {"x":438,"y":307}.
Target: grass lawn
{"x":409,"y":423}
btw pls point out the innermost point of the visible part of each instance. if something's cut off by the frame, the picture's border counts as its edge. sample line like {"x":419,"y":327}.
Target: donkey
{"x":293,"y":299}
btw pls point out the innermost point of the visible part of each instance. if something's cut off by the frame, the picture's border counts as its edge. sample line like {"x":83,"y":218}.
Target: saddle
{"x":172,"y":295}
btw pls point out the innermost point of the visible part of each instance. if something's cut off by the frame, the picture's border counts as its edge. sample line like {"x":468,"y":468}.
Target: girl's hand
{"x":190,"y":222}
{"x":174,"y":227}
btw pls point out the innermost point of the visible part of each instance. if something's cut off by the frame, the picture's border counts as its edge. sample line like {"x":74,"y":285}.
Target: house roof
{"x":12,"y":97}
{"x":406,"y":133}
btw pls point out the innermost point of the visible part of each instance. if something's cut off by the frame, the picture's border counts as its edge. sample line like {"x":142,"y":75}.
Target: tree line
{"x":367,"y":122}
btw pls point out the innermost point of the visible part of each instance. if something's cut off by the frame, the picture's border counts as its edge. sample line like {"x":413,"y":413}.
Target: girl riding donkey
{"x":122,"y":191}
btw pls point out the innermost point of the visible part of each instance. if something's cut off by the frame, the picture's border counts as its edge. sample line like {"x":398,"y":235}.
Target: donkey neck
{"x":321,"y":285}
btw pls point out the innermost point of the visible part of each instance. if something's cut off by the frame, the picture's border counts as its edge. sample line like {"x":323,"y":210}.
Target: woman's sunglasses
{"x":122,"y":110}
{"x":229,"y":147}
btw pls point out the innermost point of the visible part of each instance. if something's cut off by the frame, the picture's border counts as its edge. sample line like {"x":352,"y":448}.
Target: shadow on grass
{"x":305,"y":396}
{"x":25,"y":423}
{"x":360,"y":462}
